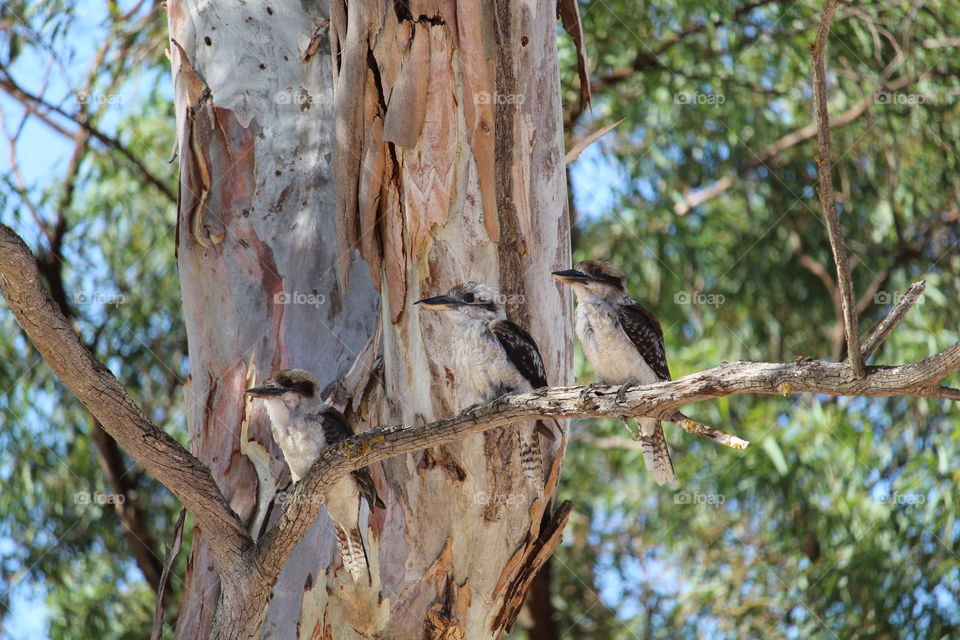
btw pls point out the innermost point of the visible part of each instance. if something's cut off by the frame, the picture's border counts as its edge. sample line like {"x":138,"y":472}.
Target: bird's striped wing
{"x":521,"y":350}
{"x":645,"y":333}
{"x":336,"y":430}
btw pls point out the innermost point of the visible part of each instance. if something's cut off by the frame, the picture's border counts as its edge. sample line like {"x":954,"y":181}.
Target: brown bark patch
{"x":445,"y":615}
{"x":518,"y":574}
{"x":408,"y":102}
{"x":440,"y":458}
{"x":479,"y":92}
{"x":498,"y":446}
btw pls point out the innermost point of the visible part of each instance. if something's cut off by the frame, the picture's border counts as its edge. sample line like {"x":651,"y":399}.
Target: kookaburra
{"x":303,"y":425}
{"x":493,"y":356}
{"x":623,"y":343}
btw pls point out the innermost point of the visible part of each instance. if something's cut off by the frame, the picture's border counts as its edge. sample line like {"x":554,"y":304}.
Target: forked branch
{"x":657,"y":400}
{"x":844,"y":282}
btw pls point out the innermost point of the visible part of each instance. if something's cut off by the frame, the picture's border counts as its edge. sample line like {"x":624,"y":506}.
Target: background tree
{"x":85,"y":115}
{"x":839,"y":518}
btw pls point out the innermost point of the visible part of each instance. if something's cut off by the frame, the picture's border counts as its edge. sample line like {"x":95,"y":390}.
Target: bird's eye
{"x":468,"y":297}
{"x":598,"y":271}
{"x":287,"y":383}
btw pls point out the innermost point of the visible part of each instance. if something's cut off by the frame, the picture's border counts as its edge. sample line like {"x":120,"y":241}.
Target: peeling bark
{"x":444,"y":114}
{"x":372,"y":154}
{"x":259,"y":267}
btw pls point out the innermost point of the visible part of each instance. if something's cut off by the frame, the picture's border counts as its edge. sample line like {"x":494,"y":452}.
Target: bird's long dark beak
{"x":265,"y":391}
{"x":440,"y":302}
{"x":572,"y":276}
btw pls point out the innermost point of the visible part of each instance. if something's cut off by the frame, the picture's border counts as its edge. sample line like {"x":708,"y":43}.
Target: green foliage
{"x":118,"y":278}
{"x":839,"y":520}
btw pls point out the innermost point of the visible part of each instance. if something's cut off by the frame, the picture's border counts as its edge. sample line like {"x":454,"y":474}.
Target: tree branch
{"x":97,"y":388}
{"x":660,"y":400}
{"x":885,"y":326}
{"x":824,"y":169}
{"x":249,"y":571}
{"x":772,"y":152}
{"x":31,"y":101}
{"x":649,"y":58}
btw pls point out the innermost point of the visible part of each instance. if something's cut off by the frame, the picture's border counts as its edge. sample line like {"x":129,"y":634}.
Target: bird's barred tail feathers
{"x":656,"y":454}
{"x":530,"y":459}
{"x":353,"y":554}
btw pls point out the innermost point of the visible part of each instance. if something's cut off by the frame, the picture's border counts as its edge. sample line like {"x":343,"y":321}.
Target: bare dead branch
{"x":97,"y":388}
{"x":885,"y":326}
{"x":32,"y":102}
{"x":576,"y":147}
{"x":704,"y":430}
{"x":569,"y":13}
{"x":834,"y":230}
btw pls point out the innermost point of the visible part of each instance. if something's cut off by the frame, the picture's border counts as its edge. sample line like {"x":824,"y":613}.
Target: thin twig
{"x":30,"y":100}
{"x":885,"y":326}
{"x":834,"y":230}
{"x":706,"y":431}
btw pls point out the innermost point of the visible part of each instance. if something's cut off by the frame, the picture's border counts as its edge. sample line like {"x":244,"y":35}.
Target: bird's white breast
{"x":612,"y":355}
{"x":300,"y":440}
{"x":482,"y":366}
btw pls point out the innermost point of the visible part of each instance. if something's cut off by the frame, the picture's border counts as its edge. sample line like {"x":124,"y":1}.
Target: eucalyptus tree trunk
{"x":338,"y":163}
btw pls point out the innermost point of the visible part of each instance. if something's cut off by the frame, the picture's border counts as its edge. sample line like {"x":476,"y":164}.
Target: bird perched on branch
{"x":623,"y":343}
{"x":493,"y":356}
{"x":304,"y":425}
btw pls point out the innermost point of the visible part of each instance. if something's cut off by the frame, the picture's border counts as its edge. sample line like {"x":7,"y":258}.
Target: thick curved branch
{"x":248,"y":571}
{"x":824,"y":168}
{"x":97,"y":388}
